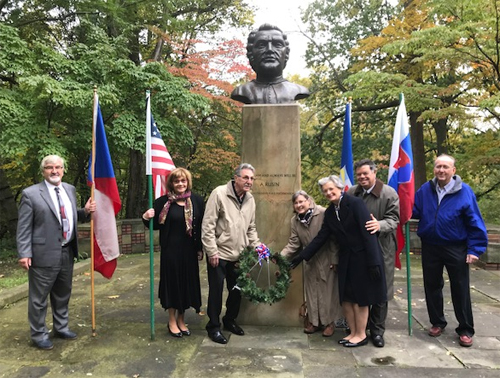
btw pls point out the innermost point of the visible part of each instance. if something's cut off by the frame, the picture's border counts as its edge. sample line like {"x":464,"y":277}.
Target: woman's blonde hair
{"x":179,"y":173}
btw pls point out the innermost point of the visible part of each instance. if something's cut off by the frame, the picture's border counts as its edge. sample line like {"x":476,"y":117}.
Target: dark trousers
{"x":434,"y":259}
{"x":225,"y":270}
{"x":56,"y":283}
{"x":376,"y":321}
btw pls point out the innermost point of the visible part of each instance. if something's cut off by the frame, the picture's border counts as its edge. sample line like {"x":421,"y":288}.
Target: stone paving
{"x":123,"y":347}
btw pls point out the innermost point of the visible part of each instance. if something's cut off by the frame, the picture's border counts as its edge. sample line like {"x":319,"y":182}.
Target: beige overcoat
{"x":320,"y":279}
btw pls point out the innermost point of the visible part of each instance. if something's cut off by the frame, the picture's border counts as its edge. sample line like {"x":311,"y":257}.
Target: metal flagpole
{"x":92,"y":170}
{"x":408,"y":276}
{"x":151,"y":232}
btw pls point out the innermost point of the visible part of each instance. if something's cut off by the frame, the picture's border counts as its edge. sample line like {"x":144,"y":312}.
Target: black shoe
{"x":217,"y":337}
{"x":354,"y":345}
{"x":174,"y":334}
{"x":44,"y":344}
{"x":186,"y":332}
{"x":343,"y":341}
{"x":234,"y":328}
{"x":67,"y":335}
{"x":378,"y":341}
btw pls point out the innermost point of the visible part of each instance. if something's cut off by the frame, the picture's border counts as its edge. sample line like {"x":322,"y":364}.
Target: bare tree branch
{"x":52,"y":19}
{"x":493,"y":188}
{"x":370,"y":108}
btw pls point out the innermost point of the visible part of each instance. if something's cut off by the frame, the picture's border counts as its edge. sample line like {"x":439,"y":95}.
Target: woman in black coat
{"x":178,"y":216}
{"x":360,"y":269}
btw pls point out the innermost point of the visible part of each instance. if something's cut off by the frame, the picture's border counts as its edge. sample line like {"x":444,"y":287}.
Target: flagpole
{"x":151,"y":231}
{"x":92,"y":170}
{"x":408,"y":265}
{"x":408,"y":276}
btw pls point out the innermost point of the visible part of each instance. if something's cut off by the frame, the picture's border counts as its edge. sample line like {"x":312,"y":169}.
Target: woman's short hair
{"x":333,"y":178}
{"x":299,"y":193}
{"x":179,"y":173}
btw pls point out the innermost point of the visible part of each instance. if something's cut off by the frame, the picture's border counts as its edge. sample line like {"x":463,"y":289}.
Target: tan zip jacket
{"x":228,"y":226}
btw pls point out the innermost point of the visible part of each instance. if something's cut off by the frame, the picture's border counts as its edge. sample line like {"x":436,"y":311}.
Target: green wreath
{"x":249,"y":260}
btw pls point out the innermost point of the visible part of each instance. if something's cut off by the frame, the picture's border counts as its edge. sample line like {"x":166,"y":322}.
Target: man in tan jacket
{"x":382,"y":202}
{"x":228,"y":227}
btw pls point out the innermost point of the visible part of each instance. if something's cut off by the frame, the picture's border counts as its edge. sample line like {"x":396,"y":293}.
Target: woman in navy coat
{"x":360,"y":269}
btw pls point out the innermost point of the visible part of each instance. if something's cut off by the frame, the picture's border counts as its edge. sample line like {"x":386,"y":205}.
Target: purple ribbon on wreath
{"x":263,"y":252}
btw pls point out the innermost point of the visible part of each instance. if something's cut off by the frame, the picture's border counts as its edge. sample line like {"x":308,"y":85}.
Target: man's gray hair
{"x":333,"y":178}
{"x":237,"y":171}
{"x":52,"y":159}
{"x":446,"y":156}
{"x":367,"y":162}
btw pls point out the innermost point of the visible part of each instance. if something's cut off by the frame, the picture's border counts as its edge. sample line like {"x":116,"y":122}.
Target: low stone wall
{"x":134,"y":238}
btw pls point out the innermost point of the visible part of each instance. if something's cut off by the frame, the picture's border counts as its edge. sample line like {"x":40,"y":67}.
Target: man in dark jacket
{"x":453,"y":235}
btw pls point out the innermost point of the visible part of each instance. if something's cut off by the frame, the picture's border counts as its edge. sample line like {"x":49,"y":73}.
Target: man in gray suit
{"x":47,"y":244}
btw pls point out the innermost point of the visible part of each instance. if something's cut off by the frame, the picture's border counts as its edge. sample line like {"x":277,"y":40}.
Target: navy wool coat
{"x":358,"y":250}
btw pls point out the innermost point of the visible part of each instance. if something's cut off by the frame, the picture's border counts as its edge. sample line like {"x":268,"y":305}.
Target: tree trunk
{"x":136,"y":200}
{"x":441,"y":129}
{"x":8,"y":208}
{"x":417,"y":146}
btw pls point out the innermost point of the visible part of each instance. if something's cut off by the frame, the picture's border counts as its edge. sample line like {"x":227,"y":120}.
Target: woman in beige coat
{"x":320,"y":276}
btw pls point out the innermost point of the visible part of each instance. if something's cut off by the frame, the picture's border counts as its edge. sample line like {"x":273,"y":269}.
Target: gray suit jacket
{"x":39,"y":233}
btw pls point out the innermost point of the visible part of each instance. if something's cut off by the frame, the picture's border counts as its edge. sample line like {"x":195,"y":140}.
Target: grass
{"x":11,"y":274}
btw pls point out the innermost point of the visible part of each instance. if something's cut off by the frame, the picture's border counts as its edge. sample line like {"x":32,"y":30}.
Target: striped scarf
{"x":188,"y":210}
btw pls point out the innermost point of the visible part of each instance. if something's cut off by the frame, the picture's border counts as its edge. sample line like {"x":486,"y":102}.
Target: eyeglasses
{"x":51,"y":167}
{"x":247,"y":178}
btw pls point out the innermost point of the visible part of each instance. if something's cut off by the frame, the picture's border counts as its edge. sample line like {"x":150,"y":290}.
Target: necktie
{"x":62,"y":211}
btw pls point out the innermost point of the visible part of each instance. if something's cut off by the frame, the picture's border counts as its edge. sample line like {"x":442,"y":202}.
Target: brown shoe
{"x":465,"y":341}
{"x":329,"y":330}
{"x":310,"y":329}
{"x":435,"y":331}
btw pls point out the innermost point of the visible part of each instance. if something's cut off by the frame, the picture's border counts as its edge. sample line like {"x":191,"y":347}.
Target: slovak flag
{"x":159,"y":163}
{"x":346,"y":162}
{"x":401,"y":176}
{"x":107,"y":198}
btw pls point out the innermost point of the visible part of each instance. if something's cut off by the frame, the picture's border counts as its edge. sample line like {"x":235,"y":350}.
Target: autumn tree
{"x":59,"y":49}
{"x":333,"y":28}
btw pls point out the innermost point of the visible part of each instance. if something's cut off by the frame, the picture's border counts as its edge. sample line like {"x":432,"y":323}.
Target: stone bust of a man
{"x":268,"y":51}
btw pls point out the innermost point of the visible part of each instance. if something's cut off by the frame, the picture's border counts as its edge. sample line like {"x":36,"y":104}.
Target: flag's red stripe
{"x":106,"y":268}
{"x":160,"y":147}
{"x":109,"y":188}
{"x":162,"y":159}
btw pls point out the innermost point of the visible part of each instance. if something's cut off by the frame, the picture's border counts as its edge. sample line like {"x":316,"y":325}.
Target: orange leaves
{"x":210,"y":67}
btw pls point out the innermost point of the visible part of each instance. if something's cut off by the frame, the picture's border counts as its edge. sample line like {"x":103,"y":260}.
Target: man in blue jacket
{"x":453,"y":235}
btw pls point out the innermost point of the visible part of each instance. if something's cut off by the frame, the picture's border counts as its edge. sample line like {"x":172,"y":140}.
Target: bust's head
{"x":268,"y":50}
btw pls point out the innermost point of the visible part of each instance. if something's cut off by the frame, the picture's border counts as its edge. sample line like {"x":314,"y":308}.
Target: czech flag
{"x":107,"y":198}
{"x":346,"y":162}
{"x":401,"y":176}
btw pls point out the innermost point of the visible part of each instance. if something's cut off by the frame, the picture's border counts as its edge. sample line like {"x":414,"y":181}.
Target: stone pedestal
{"x":271,"y":143}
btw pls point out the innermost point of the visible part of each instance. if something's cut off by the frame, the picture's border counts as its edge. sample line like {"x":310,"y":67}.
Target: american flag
{"x":159,"y":163}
